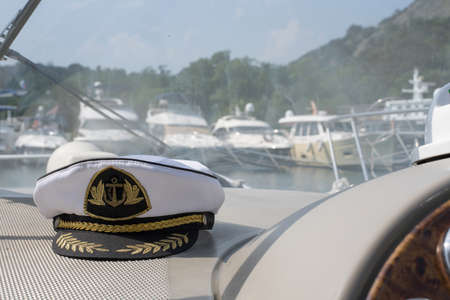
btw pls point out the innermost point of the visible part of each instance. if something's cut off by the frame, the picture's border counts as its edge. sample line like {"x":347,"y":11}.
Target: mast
{"x":419,"y":87}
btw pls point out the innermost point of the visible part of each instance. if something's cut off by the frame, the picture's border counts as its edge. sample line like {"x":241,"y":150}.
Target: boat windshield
{"x":307,"y":128}
{"x":202,"y":80}
{"x":340,"y":126}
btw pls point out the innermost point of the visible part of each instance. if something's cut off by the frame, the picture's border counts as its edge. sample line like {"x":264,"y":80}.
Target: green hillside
{"x":371,"y":63}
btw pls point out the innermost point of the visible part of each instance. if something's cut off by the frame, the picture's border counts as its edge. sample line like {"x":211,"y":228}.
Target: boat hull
{"x":378,"y":152}
{"x":261,"y":157}
{"x":209,"y":156}
{"x":317,"y":153}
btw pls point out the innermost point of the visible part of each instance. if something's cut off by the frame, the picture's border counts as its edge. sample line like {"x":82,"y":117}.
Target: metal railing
{"x":355,"y":116}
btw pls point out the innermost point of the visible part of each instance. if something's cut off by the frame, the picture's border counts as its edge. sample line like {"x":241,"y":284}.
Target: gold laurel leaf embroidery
{"x":61,"y":241}
{"x":136,"y":250}
{"x":170,"y":242}
{"x":97,"y":194}
{"x":174,"y":240}
{"x":178,"y":240}
{"x":151,"y":246}
{"x":132,"y":192}
{"x":183,"y":236}
{"x":82,"y":248}
{"x":124,"y":250}
{"x":68,"y":242}
{"x":165,"y":246}
{"x":146,"y":250}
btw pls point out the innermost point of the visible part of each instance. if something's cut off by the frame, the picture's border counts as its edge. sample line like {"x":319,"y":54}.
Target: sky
{"x":135,"y":34}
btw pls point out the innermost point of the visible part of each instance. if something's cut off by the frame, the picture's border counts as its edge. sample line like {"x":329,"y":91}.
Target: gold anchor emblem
{"x":112,"y":188}
{"x":129,"y":194}
{"x":112,"y":193}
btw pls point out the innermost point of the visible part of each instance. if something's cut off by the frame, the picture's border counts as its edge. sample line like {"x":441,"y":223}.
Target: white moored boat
{"x":40,"y":137}
{"x":38,"y":141}
{"x":107,"y":134}
{"x":410,"y":123}
{"x":181,"y":126}
{"x":253,"y":141}
{"x":311,"y":147}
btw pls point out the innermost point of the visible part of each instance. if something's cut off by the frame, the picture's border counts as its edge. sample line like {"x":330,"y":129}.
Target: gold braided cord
{"x":139,"y":227}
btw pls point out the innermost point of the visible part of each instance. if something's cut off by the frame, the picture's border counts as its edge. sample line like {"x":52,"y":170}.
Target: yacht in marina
{"x":414,"y":122}
{"x":403,"y":122}
{"x":180,"y":125}
{"x":39,"y":141}
{"x":318,"y":137}
{"x":107,"y":134}
{"x":40,"y":135}
{"x":311,"y":135}
{"x":251,"y":140}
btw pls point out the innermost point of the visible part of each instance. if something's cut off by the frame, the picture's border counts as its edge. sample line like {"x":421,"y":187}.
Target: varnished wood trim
{"x":416,"y":269}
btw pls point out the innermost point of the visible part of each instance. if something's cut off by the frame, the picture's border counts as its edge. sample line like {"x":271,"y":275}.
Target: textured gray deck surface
{"x":30,"y":270}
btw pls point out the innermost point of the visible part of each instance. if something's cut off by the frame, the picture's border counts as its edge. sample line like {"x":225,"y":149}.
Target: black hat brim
{"x":126,"y":246}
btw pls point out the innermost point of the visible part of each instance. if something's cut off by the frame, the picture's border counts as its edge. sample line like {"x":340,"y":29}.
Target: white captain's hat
{"x":132,"y":207}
